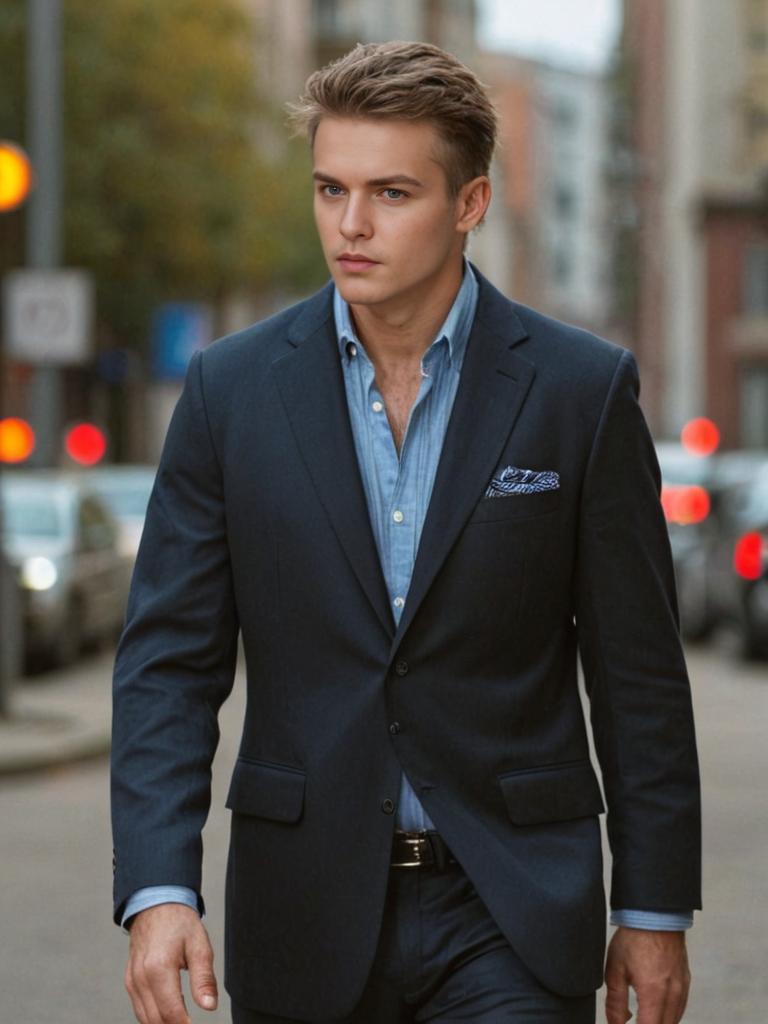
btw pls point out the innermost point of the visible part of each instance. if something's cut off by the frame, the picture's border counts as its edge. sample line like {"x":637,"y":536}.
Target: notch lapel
{"x":311,"y":387}
{"x":494,"y":384}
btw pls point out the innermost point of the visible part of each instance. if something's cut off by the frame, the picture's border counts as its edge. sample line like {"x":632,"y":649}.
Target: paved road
{"x":61,"y":959}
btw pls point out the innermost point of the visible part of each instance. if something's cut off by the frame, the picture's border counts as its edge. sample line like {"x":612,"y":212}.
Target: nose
{"x":355,"y":222}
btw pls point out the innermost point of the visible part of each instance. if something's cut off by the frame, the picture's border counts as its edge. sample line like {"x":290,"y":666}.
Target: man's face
{"x":387,"y":224}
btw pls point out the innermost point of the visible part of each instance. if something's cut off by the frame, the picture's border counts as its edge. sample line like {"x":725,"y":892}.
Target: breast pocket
{"x":515,"y":506}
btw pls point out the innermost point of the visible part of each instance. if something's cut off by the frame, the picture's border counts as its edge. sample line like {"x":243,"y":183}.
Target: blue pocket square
{"x":522,"y":481}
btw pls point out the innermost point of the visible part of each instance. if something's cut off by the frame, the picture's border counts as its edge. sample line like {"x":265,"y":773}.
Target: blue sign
{"x":179,"y":329}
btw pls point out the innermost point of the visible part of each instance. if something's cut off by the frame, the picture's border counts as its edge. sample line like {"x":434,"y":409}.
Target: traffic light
{"x":17,"y":440}
{"x":15,"y":176}
{"x":86,"y":444}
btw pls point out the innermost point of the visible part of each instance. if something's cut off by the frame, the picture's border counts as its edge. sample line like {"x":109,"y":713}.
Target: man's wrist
{"x":154,"y":895}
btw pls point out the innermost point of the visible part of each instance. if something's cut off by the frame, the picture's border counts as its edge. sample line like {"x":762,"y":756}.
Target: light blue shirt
{"x":398,"y":489}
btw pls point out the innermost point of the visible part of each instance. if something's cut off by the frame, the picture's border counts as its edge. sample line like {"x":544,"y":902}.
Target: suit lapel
{"x":494,"y":383}
{"x":311,"y":386}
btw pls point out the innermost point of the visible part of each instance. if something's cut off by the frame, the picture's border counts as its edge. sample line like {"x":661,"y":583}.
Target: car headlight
{"x":38,"y":574}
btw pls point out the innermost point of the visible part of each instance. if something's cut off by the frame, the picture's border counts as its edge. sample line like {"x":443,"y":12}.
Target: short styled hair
{"x":413,"y":82}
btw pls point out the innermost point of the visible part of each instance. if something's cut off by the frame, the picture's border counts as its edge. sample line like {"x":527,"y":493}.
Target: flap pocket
{"x":556,"y":792}
{"x":515,"y":506}
{"x":267,"y":790}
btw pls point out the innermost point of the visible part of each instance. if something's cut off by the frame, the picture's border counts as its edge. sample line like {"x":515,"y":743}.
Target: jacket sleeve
{"x":175,"y":662}
{"x":634,"y":668}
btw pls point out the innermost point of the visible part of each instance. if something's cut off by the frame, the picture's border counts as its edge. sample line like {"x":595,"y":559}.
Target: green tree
{"x":167,"y":192}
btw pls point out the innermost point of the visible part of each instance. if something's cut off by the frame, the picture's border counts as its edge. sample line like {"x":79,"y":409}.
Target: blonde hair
{"x":413,"y":82}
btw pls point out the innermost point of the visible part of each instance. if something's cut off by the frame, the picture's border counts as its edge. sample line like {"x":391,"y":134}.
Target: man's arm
{"x":174,"y":667}
{"x":640,"y":702}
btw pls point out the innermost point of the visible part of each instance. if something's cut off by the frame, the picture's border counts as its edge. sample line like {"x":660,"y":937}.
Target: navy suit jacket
{"x":258,"y":522}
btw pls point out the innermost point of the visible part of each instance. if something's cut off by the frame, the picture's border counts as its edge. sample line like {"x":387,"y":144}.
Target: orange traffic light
{"x":15,"y":176}
{"x":86,"y":444}
{"x":17,"y":440}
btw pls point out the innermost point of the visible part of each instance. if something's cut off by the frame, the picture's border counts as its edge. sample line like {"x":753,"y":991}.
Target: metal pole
{"x":44,"y":236}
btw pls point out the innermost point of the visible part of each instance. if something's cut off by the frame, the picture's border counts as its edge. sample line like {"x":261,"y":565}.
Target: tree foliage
{"x":168,"y":192}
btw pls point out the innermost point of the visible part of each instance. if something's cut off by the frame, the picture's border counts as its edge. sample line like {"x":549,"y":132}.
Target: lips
{"x":354,"y":261}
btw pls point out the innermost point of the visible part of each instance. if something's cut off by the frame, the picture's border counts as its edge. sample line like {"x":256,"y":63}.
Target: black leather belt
{"x":420,"y":850}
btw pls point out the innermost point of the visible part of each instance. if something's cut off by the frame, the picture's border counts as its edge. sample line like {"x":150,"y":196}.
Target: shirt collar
{"x":455,"y":328}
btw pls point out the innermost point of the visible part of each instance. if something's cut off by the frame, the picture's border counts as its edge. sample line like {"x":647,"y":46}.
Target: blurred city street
{"x":62,"y":959}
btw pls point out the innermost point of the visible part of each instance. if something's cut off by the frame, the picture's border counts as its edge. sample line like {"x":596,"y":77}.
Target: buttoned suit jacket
{"x":258,"y":522}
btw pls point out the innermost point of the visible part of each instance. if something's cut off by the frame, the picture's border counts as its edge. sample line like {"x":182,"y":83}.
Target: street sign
{"x":179,"y":329}
{"x":48,"y":316}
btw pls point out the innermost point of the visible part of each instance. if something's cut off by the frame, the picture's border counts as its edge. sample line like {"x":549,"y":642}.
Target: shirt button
{"x":352,"y":350}
{"x":394,"y":728}
{"x":398,"y":516}
{"x":388,"y":806}
{"x":399,"y":602}
{"x":377,"y":407}
{"x":401,"y":667}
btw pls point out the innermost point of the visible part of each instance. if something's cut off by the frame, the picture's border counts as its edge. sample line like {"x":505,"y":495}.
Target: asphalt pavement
{"x":62,"y":958}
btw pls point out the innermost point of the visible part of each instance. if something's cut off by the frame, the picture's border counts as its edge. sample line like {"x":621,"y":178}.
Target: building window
{"x":755,"y":281}
{"x":754,"y":406}
{"x":565,"y":201}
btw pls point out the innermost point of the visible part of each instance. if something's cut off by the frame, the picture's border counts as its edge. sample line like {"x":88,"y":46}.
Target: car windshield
{"x":126,"y":501}
{"x":31,"y":515}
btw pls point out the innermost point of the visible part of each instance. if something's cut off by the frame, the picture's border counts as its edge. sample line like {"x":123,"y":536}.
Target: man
{"x":417,"y":501}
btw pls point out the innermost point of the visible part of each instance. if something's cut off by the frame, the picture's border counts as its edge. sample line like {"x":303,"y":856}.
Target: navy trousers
{"x":442,"y":958}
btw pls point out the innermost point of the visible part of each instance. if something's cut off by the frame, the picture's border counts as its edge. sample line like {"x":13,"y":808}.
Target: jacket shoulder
{"x":261,"y":343}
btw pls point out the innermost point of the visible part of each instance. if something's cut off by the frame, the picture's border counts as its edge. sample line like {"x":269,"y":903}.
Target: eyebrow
{"x":392,"y":179}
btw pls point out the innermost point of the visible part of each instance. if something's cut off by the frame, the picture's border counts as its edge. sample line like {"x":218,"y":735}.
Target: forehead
{"x":373,"y":148}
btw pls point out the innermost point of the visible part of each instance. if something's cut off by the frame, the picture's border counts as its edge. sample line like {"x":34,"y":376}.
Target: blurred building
{"x":293,"y":37}
{"x":699,"y":85}
{"x":552,"y":163}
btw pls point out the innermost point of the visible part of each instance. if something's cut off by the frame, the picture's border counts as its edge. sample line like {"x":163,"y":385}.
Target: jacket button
{"x":401,"y":667}
{"x":387,"y":806}
{"x":394,"y":728}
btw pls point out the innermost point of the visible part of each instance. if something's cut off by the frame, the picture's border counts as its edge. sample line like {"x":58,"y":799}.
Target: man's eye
{"x":331,"y":190}
{"x":394,"y":193}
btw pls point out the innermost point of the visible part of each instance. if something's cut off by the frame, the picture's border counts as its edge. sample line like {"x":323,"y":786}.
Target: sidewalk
{"x":58,"y":717}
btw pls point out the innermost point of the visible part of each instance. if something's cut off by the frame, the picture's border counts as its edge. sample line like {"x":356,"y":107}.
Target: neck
{"x":399,"y":332}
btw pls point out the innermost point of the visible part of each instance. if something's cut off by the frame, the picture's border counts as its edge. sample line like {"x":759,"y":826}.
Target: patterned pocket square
{"x":522,"y":481}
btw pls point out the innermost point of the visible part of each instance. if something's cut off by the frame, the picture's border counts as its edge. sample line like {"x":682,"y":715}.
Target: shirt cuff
{"x":154,"y":895}
{"x":653,"y":920}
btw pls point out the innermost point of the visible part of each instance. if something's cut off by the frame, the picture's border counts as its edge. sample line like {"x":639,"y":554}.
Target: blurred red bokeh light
{"x":86,"y":444}
{"x":685,"y":504}
{"x":700,"y":436}
{"x":748,"y":556}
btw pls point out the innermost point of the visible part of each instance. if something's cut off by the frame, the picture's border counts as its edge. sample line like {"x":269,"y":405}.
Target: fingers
{"x":663,"y":1004}
{"x":202,"y":980}
{"x":617,"y":1002}
{"x":155,"y":989}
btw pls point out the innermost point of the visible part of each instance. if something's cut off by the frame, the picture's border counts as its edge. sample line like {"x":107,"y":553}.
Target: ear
{"x":472,"y":203}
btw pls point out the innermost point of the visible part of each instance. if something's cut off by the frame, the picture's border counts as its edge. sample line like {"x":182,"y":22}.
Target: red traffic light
{"x":17,"y":440}
{"x":685,"y":504}
{"x":86,"y":444}
{"x":700,"y":436}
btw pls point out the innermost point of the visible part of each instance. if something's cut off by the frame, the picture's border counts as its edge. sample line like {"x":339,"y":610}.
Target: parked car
{"x":697,"y":495}
{"x":62,"y":541}
{"x":126,"y":490}
{"x":738,"y":565}
{"x":687,"y":502}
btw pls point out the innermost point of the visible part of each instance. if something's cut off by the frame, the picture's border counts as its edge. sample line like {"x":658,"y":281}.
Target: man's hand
{"x":165,"y":940}
{"x":655,"y":965}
